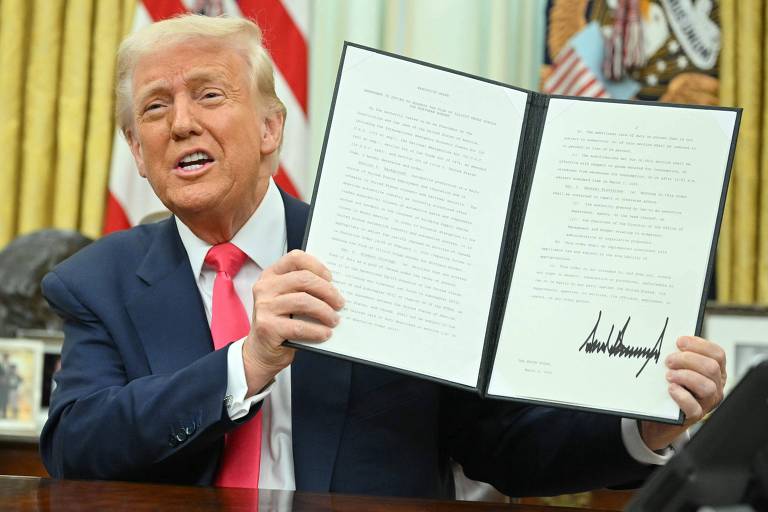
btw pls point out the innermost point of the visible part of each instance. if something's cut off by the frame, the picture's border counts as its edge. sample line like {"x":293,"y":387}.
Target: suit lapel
{"x":295,"y":220}
{"x":319,"y":392}
{"x":169,"y":315}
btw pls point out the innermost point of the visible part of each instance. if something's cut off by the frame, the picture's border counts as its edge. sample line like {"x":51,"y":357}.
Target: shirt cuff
{"x":237,"y":387}
{"x":630,"y":434}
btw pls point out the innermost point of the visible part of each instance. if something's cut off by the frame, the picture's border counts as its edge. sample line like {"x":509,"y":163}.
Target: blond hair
{"x":239,"y":33}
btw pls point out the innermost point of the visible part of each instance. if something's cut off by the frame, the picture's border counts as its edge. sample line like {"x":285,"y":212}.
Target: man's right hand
{"x":297,"y":284}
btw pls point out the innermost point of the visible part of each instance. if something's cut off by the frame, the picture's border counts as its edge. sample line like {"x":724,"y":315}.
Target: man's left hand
{"x":696,"y":379}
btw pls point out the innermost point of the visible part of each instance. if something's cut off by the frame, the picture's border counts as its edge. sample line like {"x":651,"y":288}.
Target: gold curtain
{"x":742,"y":259}
{"x":56,"y":119}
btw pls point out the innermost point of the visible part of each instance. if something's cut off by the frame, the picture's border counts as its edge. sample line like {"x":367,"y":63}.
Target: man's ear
{"x":135,"y":145}
{"x":272,"y":132}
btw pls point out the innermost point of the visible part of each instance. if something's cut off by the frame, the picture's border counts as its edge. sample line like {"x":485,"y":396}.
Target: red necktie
{"x":229,"y":322}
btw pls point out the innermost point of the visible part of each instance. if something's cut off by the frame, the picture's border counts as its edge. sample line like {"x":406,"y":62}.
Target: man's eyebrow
{"x":194,"y":78}
{"x":151,"y":89}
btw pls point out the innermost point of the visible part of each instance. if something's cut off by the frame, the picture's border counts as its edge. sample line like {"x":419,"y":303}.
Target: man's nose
{"x":184,"y":122}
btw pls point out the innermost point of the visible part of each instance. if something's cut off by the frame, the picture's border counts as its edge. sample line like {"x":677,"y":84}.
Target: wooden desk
{"x":20,"y":458}
{"x":41,"y":494}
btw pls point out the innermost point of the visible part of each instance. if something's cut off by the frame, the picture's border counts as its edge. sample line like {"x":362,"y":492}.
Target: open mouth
{"x":194,"y":161}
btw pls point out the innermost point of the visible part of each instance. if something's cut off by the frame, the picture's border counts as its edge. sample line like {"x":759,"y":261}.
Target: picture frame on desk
{"x":53,"y":342}
{"x":742,"y":331}
{"x":21,"y":377}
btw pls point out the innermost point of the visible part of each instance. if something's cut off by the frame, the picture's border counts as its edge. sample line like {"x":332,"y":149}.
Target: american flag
{"x":572,"y":77}
{"x":285,"y":26}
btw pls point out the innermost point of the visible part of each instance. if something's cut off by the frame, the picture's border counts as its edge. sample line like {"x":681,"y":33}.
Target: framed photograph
{"x":21,"y":378}
{"x":51,"y":361}
{"x":742,"y":331}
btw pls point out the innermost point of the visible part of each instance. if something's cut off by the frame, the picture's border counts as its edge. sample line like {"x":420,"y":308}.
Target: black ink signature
{"x":618,"y":348}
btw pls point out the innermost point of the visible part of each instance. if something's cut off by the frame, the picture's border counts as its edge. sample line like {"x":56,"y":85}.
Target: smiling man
{"x":173,"y":368}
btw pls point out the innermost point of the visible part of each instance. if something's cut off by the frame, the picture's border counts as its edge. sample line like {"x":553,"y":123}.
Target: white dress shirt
{"x":263,"y":238}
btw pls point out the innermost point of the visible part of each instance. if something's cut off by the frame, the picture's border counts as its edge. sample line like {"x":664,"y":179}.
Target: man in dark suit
{"x":143,"y":395}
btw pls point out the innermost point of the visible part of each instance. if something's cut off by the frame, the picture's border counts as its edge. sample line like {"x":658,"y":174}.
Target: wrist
{"x":263,"y":388}
{"x":658,"y":436}
{"x":258,"y":374}
{"x":257,"y":378}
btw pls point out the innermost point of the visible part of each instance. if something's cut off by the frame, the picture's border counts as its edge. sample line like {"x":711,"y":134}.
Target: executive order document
{"x":409,"y":211}
{"x":613,"y":255}
{"x":533,"y":248}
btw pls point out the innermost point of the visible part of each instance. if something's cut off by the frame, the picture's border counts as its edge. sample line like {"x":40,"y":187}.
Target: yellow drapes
{"x":56,"y":123}
{"x":56,"y":119}
{"x":742,"y":263}
{"x":72,"y":111}
{"x":13,"y":17}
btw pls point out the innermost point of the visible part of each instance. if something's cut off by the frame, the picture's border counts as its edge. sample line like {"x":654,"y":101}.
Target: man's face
{"x":199,"y":132}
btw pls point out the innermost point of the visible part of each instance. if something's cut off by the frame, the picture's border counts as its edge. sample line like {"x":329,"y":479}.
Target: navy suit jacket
{"x":141,"y":390}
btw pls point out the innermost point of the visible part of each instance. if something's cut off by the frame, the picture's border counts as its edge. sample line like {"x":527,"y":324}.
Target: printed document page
{"x":614,"y":253}
{"x":410,"y":208}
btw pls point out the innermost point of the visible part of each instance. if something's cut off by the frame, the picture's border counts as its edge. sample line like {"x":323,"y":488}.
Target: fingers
{"x":303,"y":281}
{"x":704,"y":365}
{"x":696,"y":378}
{"x":696,"y":375}
{"x":706,"y":392}
{"x":706,"y":348}
{"x":299,"y":260}
{"x":687,"y":402}
{"x":701,"y":346}
{"x":300,"y":330}
{"x":293,"y":279}
{"x":292,"y":286}
{"x":297,"y":284}
{"x":304,"y":304}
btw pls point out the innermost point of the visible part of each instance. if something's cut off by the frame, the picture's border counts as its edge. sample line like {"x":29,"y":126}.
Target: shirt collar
{"x":262,"y":237}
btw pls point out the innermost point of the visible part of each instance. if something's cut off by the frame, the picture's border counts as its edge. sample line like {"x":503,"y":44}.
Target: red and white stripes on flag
{"x":571,"y":77}
{"x":285,"y":25}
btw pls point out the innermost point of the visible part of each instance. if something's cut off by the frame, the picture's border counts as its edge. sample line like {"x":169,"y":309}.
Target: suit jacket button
{"x":181,"y":436}
{"x":190,"y":429}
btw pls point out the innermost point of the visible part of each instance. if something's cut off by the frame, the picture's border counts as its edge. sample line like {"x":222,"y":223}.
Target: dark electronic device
{"x":725,"y":463}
